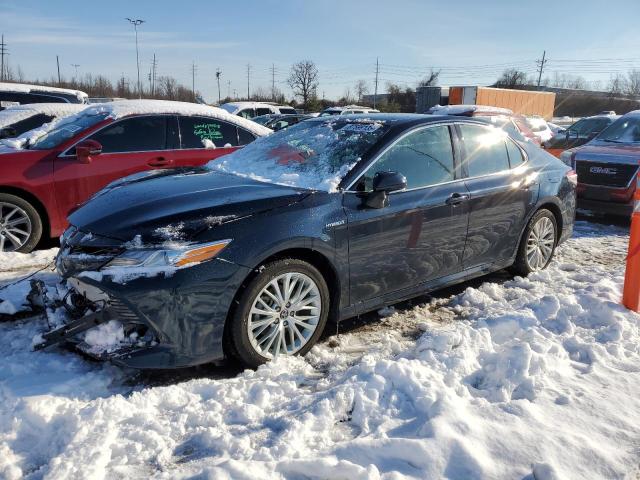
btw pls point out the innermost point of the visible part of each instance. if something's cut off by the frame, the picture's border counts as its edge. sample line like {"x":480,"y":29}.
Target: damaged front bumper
{"x":170,"y":319}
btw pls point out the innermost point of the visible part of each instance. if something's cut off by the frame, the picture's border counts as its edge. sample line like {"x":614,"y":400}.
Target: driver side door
{"x":420,"y":235}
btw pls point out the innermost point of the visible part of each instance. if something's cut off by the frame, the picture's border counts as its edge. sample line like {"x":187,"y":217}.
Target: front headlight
{"x":566,"y":157}
{"x":168,"y":257}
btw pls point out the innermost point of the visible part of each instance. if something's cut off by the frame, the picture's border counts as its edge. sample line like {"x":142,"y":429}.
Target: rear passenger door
{"x":203,"y":139}
{"x":502,"y":190}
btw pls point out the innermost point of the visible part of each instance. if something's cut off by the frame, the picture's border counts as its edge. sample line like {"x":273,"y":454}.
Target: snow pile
{"x":122,"y":108}
{"x":534,"y":377}
{"x":25,"y":88}
{"x":18,"y":113}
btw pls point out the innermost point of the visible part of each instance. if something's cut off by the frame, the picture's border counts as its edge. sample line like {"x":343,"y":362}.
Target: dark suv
{"x":607,"y":167}
{"x":333,"y":217}
{"x":578,"y":134}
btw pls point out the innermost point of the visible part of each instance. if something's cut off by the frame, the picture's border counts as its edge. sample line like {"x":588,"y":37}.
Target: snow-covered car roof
{"x":465,"y":109}
{"x":236,"y":106}
{"x":349,"y":107}
{"x":17,"y":113}
{"x":26,"y":88}
{"x":125,"y":108}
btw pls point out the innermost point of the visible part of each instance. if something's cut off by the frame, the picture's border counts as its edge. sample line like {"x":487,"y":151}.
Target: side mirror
{"x":389,"y":182}
{"x":87,"y":149}
{"x":383,"y":184}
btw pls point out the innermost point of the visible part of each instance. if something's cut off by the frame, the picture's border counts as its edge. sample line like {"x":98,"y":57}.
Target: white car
{"x":347,"y":110}
{"x":19,"y":119}
{"x":255,"y":109}
{"x":540,"y":128}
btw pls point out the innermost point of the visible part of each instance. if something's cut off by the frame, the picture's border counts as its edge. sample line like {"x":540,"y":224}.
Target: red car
{"x":47,"y":173}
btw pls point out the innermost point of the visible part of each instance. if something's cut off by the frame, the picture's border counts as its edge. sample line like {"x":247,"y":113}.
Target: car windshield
{"x":623,"y":130}
{"x":263,"y":119}
{"x":65,"y":130}
{"x":328,"y":113}
{"x":314,"y":155}
{"x":588,"y":126}
{"x":229,"y":108}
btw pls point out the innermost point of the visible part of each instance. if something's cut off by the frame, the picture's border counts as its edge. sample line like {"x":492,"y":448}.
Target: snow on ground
{"x":535,"y":378}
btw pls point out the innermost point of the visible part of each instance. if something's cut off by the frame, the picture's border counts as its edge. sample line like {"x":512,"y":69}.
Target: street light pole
{"x":135,"y":24}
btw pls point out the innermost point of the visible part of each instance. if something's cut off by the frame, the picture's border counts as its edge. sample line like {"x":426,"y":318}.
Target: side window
{"x":247,"y":113}
{"x":245,"y":137}
{"x":424,"y":157}
{"x":485,"y":149}
{"x":136,"y":134}
{"x":516,"y":157}
{"x":196,"y":130}
{"x":30,"y":123}
{"x":263,"y":111}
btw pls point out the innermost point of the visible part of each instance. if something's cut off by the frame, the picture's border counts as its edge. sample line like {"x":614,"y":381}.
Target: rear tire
{"x":269,"y":322}
{"x":538,"y":243}
{"x":20,"y":224}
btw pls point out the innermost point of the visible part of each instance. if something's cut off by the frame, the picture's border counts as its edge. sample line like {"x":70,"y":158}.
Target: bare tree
{"x":430,"y":80}
{"x":633,"y":83}
{"x":511,"y":78}
{"x":303,"y":80}
{"x":361,"y":89}
{"x":617,"y":85}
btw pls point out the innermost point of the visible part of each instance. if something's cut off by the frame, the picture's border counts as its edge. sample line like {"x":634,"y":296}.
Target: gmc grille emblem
{"x":604,"y":170}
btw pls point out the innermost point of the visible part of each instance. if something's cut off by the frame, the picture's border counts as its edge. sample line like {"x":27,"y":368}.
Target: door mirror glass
{"x":389,"y":182}
{"x":87,"y":149}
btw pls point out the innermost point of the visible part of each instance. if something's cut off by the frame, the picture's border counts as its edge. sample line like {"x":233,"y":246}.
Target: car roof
{"x":393,"y":119}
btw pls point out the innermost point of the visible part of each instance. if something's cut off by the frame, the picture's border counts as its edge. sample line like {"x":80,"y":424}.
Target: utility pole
{"x":235,"y":94}
{"x":228,"y":88}
{"x":58,"y":63}
{"x":75,"y":65}
{"x":248,"y":75}
{"x":135,"y":24}
{"x":218,"y":73}
{"x":375,"y":92}
{"x":273,"y":82}
{"x":154,"y":66}
{"x":3,"y":52}
{"x":193,"y":79}
{"x":541,"y":64}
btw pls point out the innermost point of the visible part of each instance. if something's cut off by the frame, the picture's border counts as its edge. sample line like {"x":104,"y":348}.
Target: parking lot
{"x":502,"y":377}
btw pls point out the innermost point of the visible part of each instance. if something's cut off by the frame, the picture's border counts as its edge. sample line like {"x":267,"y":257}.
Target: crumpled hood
{"x":599,"y":151}
{"x":176,"y":204}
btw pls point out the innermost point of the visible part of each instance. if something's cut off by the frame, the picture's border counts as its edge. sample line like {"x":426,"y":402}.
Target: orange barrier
{"x":631,"y":289}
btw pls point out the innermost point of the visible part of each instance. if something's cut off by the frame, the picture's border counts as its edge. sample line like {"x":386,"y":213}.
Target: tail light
{"x":572,"y":177}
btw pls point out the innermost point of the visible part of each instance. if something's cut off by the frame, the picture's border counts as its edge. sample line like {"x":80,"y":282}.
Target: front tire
{"x":20,"y":224}
{"x":282,"y":311}
{"x":538,"y":243}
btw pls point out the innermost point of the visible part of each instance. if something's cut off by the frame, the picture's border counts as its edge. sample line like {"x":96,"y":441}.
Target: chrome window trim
{"x":65,"y":154}
{"x":431,"y":125}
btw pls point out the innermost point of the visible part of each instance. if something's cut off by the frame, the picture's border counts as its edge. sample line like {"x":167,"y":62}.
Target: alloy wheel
{"x":284,"y":315}
{"x":15,"y":227}
{"x":540,"y":243}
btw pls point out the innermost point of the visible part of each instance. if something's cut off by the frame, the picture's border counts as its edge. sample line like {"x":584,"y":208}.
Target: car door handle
{"x":457,"y":198}
{"x":160,"y":162}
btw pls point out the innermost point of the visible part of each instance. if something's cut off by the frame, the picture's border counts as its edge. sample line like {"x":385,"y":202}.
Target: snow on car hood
{"x":123,"y":108}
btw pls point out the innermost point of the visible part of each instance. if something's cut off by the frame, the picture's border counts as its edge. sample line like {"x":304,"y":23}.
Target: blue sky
{"x":471,"y":41}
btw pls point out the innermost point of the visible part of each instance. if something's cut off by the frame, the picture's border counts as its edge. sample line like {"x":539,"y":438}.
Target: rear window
{"x":289,"y":111}
{"x":30,"y":123}
{"x":195,"y":131}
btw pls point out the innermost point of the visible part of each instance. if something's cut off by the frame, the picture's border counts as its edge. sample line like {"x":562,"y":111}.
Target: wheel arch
{"x":33,"y":200}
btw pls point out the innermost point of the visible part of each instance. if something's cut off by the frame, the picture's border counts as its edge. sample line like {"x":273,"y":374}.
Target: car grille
{"x":616,"y":175}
